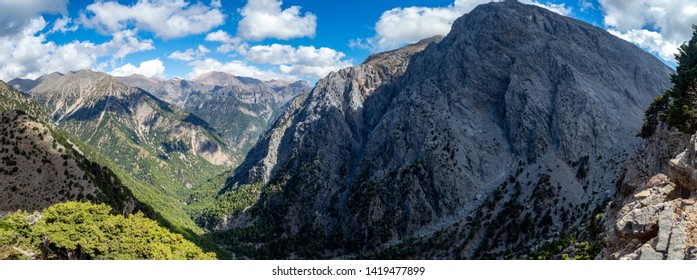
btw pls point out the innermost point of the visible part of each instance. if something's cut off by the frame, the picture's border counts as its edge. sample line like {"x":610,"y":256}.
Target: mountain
{"x":41,"y":166}
{"x":238,"y":108}
{"x":154,"y":141}
{"x":509,"y":131}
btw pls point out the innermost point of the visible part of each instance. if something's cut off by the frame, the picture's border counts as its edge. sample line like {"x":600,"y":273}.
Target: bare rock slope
{"x":238,"y":108}
{"x":506,"y":132}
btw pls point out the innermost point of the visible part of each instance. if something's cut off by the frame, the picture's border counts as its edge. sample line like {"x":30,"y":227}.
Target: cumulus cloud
{"x":126,"y":42}
{"x":400,"y":26}
{"x":650,"y":40}
{"x":263,"y":19}
{"x":189,"y":54}
{"x":165,"y":18}
{"x":16,"y":15}
{"x":229,"y":43}
{"x":27,"y":53}
{"x":657,"y":25}
{"x":304,"y":60}
{"x":63,"y":25}
{"x":236,"y":67}
{"x":147,"y":68}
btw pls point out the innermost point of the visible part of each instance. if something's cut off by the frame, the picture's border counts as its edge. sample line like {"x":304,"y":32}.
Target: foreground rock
{"x":659,"y":221}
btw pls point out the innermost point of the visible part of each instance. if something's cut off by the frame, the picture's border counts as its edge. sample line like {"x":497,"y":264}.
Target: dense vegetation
{"x":676,"y":106}
{"x":79,"y":230}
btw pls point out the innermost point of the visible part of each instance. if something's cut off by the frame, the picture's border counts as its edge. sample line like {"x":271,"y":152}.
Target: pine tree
{"x":677,"y":106}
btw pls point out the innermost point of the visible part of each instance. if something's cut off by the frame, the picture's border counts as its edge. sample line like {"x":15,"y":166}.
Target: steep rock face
{"x":39,"y":166}
{"x":506,"y":132}
{"x":154,"y":141}
{"x":238,"y":108}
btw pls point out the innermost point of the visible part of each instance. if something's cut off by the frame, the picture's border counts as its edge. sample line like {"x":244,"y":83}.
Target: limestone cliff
{"x":503,"y":134}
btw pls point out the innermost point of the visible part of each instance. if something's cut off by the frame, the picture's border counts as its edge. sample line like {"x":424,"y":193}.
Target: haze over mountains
{"x":515,"y":129}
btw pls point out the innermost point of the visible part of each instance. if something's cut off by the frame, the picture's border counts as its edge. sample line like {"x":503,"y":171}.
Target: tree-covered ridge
{"x":79,"y":230}
{"x":11,"y":99}
{"x":676,"y":106}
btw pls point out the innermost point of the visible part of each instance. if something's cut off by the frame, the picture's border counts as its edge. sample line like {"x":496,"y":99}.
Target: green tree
{"x":676,"y":106}
{"x":81,"y":230}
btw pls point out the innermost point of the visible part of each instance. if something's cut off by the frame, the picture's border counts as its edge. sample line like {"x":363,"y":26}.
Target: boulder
{"x":648,"y":253}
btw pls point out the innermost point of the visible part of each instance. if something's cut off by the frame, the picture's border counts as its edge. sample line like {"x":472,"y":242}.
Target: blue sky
{"x":272,"y":39}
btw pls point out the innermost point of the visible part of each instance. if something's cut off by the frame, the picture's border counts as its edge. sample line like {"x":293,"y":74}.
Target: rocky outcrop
{"x":512,"y":127}
{"x":659,"y":220}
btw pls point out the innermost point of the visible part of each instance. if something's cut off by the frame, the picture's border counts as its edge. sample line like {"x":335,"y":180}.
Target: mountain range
{"x":513,"y":136}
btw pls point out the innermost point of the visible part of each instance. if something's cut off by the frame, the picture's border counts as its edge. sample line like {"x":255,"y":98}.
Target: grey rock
{"x":400,"y":146}
{"x":238,"y":108}
{"x":103,"y":112}
{"x":648,"y":253}
{"x":640,"y":221}
{"x":665,"y":226}
{"x":630,"y":256}
{"x":676,"y":247}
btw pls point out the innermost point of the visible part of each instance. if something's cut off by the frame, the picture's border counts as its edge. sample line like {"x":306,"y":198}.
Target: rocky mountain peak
{"x":518,"y":116}
{"x":218,"y":79}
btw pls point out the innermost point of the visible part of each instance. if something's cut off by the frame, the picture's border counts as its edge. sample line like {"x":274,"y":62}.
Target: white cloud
{"x":15,"y":15}
{"x":235,"y":67}
{"x":561,"y":9}
{"x":229,"y":43}
{"x":400,"y":26}
{"x":657,"y":25}
{"x":61,"y":25}
{"x":220,"y":36}
{"x":190,"y":54}
{"x":27,"y":53}
{"x":126,"y":42}
{"x":265,"y":19}
{"x":166,"y":18}
{"x":650,"y":40}
{"x":585,"y":5}
{"x":304,"y":60}
{"x":147,"y":68}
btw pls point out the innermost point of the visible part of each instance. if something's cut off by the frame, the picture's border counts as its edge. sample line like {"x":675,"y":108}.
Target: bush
{"x":79,"y":230}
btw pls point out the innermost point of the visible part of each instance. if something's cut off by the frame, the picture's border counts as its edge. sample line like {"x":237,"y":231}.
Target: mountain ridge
{"x":506,"y":110}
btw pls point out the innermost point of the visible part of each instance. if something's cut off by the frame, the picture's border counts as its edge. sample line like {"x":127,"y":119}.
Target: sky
{"x":273,"y":39}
